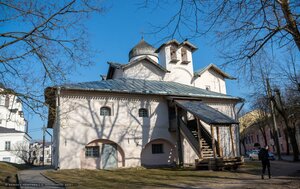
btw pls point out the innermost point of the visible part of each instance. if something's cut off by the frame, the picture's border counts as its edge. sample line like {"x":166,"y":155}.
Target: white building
{"x":37,"y":152}
{"x":151,"y":111}
{"x":14,"y":136}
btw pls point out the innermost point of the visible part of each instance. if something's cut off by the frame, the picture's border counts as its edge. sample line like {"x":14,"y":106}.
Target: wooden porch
{"x":205,"y":143}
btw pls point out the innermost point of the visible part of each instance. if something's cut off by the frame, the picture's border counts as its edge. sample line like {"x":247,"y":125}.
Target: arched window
{"x":143,"y":112}
{"x":105,"y":111}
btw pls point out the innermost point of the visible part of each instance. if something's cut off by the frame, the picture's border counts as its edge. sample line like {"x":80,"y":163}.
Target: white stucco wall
{"x":212,"y":79}
{"x":81,"y":123}
{"x":18,"y":141}
{"x":179,"y":72}
{"x":143,"y":70}
{"x":12,"y":119}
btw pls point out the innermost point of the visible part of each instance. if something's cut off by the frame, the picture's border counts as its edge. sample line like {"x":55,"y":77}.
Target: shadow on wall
{"x":82,"y":127}
{"x":158,"y":152}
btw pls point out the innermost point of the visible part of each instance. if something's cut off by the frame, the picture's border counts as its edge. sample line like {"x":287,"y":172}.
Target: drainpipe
{"x":58,"y":126}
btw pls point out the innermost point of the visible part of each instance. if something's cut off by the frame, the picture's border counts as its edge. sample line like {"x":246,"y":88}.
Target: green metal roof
{"x":137,"y":86}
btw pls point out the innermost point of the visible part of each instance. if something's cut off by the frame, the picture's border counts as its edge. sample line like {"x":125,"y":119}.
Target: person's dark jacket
{"x":263,"y":155}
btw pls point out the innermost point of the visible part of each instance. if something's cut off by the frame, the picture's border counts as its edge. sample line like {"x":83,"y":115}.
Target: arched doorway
{"x":103,"y":154}
{"x":158,"y":152}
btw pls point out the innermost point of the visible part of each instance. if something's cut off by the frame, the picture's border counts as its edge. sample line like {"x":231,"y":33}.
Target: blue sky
{"x":113,"y":33}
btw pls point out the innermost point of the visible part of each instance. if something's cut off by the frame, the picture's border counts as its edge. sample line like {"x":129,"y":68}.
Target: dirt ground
{"x":284,"y":175}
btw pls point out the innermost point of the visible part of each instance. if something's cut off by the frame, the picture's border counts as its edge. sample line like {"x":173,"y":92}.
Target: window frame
{"x":143,"y":112}
{"x":184,"y":56}
{"x":7,"y":101}
{"x":157,"y":148}
{"x":107,"y":109}
{"x":92,"y":151}
{"x":7,"y":146}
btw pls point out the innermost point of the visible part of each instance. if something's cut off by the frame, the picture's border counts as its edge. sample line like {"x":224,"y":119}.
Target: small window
{"x":207,"y":87}
{"x":6,"y":102}
{"x":184,"y":57}
{"x":105,"y":111}
{"x":143,"y":112}
{"x":6,"y":159}
{"x":92,"y":151}
{"x":157,"y":149}
{"x":7,"y":145}
{"x":173,"y":54}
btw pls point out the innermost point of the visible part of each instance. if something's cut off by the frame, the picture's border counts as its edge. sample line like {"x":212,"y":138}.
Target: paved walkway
{"x":34,"y":178}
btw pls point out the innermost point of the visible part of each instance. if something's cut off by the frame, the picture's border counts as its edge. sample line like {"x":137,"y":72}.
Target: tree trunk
{"x":244,"y":145}
{"x":291,"y":22}
{"x":292,"y":132}
{"x":263,"y":132}
{"x":286,"y":135}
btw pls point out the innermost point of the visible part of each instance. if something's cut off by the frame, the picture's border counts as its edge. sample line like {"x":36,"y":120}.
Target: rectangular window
{"x":7,"y":159}
{"x":105,"y":111}
{"x":7,"y":145}
{"x":157,"y":149}
{"x":92,"y":151}
{"x":143,"y":112}
{"x":184,"y":57}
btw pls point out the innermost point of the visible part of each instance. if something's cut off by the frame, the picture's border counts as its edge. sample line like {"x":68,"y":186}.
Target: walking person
{"x":264,"y":157}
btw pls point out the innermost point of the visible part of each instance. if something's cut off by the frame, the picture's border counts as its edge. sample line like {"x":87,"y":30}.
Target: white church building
{"x":14,"y":138}
{"x":154,"y":110}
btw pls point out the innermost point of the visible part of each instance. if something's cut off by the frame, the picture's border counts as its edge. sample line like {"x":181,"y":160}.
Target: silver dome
{"x":142,"y":48}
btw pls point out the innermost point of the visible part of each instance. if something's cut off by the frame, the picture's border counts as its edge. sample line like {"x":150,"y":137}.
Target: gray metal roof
{"x":214,"y":67}
{"x":137,"y":86}
{"x":7,"y":130}
{"x":205,"y":112}
{"x":123,"y":66}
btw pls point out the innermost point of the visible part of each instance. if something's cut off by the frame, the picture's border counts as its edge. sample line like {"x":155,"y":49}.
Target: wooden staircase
{"x":207,"y":151}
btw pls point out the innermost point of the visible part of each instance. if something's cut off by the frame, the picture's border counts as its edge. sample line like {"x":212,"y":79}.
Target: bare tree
{"x":21,"y":150}
{"x":288,"y":115}
{"x":41,"y":42}
{"x":248,"y":27}
{"x":262,"y":116}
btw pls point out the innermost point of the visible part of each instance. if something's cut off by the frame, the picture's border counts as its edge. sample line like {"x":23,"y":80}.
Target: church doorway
{"x":102,"y":154}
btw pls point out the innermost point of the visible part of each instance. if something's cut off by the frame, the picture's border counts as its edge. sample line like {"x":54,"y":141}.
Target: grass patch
{"x":139,"y":178}
{"x":251,"y":167}
{"x":8,"y":172}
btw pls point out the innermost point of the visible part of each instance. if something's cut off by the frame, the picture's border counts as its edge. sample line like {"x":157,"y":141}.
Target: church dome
{"x":142,"y":48}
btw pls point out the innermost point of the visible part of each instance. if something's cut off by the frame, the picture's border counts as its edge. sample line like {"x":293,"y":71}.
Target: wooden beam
{"x":212,"y":130}
{"x":218,"y":140}
{"x":232,"y":142}
{"x":178,"y":133}
{"x":199,"y":138}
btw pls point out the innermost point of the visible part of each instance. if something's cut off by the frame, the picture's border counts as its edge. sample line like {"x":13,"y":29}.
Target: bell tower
{"x":177,"y":58}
